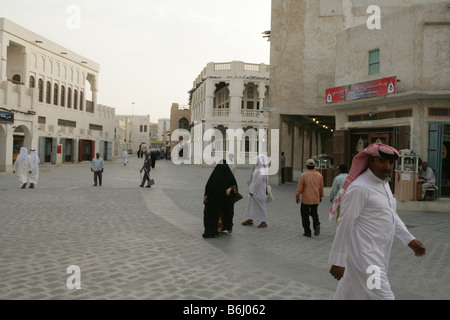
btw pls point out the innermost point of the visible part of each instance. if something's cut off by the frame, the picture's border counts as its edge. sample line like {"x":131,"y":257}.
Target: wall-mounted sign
{"x":6,"y":117}
{"x":335,"y":94}
{"x":379,"y":87}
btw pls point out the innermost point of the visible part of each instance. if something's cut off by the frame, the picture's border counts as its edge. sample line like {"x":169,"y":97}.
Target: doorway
{"x":438,"y":158}
{"x":68,"y":150}
{"x":445,"y":178}
{"x":86,"y":150}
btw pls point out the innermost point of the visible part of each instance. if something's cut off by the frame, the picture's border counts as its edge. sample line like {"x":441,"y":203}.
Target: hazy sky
{"x":149,"y":51}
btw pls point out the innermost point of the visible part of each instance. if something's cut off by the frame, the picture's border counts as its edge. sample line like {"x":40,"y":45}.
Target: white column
{"x":3,"y":56}
{"x":236,"y":88}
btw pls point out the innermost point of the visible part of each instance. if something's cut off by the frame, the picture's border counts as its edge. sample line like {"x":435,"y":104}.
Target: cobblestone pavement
{"x":145,"y":243}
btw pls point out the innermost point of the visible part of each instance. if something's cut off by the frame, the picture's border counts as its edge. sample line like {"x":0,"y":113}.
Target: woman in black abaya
{"x":216,"y":200}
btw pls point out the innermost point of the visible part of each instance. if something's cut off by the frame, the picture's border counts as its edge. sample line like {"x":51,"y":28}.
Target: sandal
{"x":247,"y":222}
{"x":262,"y":225}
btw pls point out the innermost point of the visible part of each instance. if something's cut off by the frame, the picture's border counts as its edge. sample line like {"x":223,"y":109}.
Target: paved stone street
{"x":139,"y":243}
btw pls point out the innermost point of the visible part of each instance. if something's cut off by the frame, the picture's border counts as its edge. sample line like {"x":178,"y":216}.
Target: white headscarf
{"x":23,"y":155}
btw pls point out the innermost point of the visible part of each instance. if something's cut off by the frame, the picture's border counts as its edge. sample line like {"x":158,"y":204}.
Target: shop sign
{"x":6,"y":117}
{"x":335,"y":94}
{"x":379,"y":87}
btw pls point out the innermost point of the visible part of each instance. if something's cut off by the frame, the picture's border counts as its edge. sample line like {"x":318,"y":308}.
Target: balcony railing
{"x":221,"y":112}
{"x":250,"y":113}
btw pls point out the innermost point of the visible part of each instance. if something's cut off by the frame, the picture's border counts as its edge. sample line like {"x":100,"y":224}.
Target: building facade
{"x":415,"y":114}
{"x":48,"y":101}
{"x":232,"y":95}
{"x":313,"y":49}
{"x":180,"y":116}
{"x":132,"y":131}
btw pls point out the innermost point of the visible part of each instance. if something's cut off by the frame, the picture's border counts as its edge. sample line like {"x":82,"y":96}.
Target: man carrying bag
{"x":147,"y":168}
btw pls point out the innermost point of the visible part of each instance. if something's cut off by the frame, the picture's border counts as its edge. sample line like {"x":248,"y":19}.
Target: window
{"x":48,"y":93}
{"x":63,"y":96}
{"x":69,"y":97}
{"x":183,"y":123}
{"x":31,"y":82}
{"x":374,"y":62}
{"x":16,"y":79}
{"x":81,"y":100}
{"x":439,"y":112}
{"x":380,"y":115}
{"x":75,"y":99}
{"x":55,"y":94}
{"x":41,"y":90}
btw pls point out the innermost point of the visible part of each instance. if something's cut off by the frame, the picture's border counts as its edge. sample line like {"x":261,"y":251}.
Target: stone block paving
{"x":137,"y":243}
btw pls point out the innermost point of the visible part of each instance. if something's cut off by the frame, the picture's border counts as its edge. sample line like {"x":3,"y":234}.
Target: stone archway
{"x":21,"y":138}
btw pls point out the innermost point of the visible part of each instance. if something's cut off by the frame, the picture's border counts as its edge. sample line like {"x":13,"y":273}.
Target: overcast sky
{"x":149,"y":51}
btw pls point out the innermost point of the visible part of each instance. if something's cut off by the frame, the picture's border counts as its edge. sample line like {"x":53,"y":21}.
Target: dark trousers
{"x":283,"y":175}
{"x":97,"y":175}
{"x":307,"y":210}
{"x":146,"y":178}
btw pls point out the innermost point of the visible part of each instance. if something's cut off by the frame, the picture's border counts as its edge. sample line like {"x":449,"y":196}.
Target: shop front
{"x":438,"y":159}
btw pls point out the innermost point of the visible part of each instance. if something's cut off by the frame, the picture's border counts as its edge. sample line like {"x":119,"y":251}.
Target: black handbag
{"x":235,"y":196}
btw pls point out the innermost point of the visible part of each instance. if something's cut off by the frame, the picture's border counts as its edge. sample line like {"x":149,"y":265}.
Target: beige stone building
{"x":48,"y":101}
{"x":180,"y":116}
{"x":323,"y":44}
{"x":235,"y":96}
{"x":416,"y":116}
{"x":132,"y":131}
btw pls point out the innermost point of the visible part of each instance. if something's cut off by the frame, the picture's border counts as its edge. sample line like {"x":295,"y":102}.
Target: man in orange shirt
{"x":310,"y":186}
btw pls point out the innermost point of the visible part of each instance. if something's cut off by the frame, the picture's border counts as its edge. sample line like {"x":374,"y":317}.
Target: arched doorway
{"x":21,"y":138}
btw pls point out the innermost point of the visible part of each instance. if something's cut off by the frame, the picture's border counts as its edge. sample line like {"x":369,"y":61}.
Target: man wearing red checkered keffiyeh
{"x":360,"y":164}
{"x":366,"y":227}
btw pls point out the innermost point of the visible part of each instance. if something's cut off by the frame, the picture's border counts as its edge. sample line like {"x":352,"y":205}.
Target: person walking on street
{"x":153,"y":158}
{"x":338,"y":182}
{"x":366,"y":227}
{"x":218,"y":211}
{"x":258,"y":191}
{"x":34,"y":175}
{"x":22,"y":166}
{"x":310,"y":187}
{"x":125,"y":157}
{"x":283,"y":168}
{"x":147,"y":167}
{"x":97,"y":166}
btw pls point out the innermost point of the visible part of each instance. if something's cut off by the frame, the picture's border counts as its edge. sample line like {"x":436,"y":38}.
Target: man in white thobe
{"x":366,"y":227}
{"x":22,"y":166}
{"x":256,"y":206}
{"x":428,"y":175}
{"x":34,"y":175}
{"x":125,"y":157}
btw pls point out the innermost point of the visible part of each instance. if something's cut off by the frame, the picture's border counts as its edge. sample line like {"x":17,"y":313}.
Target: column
{"x":209,"y":99}
{"x":236,"y":88}
{"x":3,"y":54}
